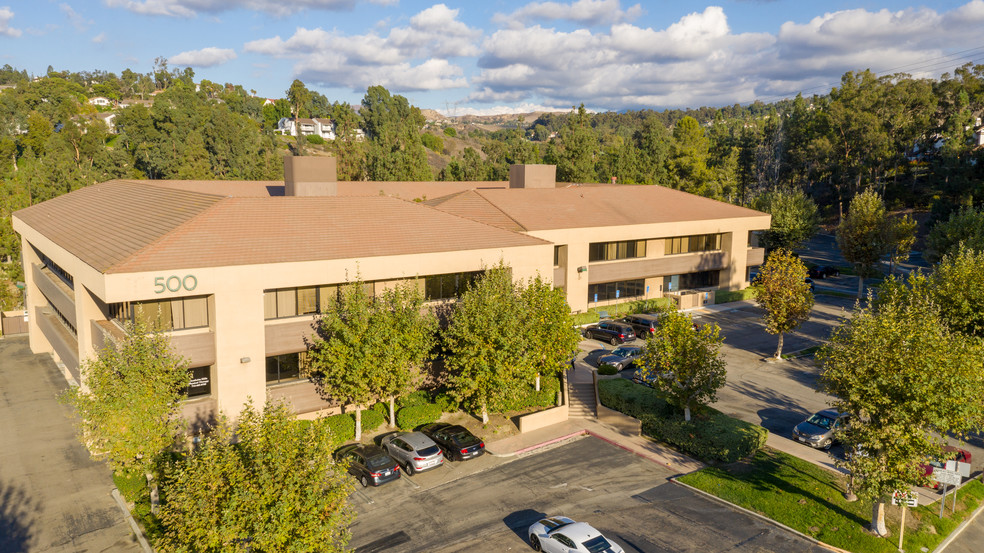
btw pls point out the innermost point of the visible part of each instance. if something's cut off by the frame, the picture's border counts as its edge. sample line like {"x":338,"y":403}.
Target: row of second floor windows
{"x":308,"y":300}
{"x":635,"y":249}
{"x":695,"y":243}
{"x":611,"y":251}
{"x":172,"y":314}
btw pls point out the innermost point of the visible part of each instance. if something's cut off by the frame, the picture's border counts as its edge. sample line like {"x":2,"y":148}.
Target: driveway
{"x":53,"y":497}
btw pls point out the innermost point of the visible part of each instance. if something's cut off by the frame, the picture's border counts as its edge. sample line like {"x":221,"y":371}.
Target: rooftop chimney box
{"x":532,"y":176}
{"x":310,"y":176}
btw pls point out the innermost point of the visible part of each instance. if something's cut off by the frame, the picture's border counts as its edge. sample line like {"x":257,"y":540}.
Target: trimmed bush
{"x":413,"y":416}
{"x":382,"y":408}
{"x":447,"y":402}
{"x":342,"y":426}
{"x":315,"y":139}
{"x":607,"y":369}
{"x":371,"y":420}
{"x":419,"y":397}
{"x":710,"y":436}
{"x":525,"y":397}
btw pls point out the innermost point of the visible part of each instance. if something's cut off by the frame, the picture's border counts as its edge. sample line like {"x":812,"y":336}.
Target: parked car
{"x":455,"y":441}
{"x":823,"y":271}
{"x":610,"y":331}
{"x":950,"y":453}
{"x":414,"y":451}
{"x":819,"y":430}
{"x":370,"y":464}
{"x":813,"y":287}
{"x":622,"y":357}
{"x":643,"y":324}
{"x":563,"y":535}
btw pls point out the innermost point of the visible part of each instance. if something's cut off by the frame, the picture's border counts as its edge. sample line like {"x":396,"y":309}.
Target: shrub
{"x":342,"y":426}
{"x":633,"y":399}
{"x":315,"y":139}
{"x":449,"y":131}
{"x":413,"y":416}
{"x":590,"y":317}
{"x":432,"y":142}
{"x":371,"y":420}
{"x":727,"y":296}
{"x":525,"y":397}
{"x":447,"y":402}
{"x":607,"y":369}
{"x":419,"y":397}
{"x":382,"y":408}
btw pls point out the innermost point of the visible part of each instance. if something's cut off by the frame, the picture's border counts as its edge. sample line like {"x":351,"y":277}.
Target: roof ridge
{"x":161,"y":237}
{"x":462,"y":217}
{"x":500,"y":210}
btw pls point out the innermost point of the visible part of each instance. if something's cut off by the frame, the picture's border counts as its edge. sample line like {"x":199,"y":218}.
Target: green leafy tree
{"x":298,"y":95}
{"x":794,"y":218}
{"x":267,"y":483}
{"x":552,"y":337}
{"x":343,"y":353}
{"x":393,"y":126}
{"x":863,"y":235}
{"x":577,"y":159}
{"x":907,"y":380}
{"x":957,"y":287}
{"x":683,"y":362}
{"x":782,"y":291}
{"x":965,"y":226}
{"x":399,"y":314}
{"x":901,"y":239}
{"x":129,"y":398}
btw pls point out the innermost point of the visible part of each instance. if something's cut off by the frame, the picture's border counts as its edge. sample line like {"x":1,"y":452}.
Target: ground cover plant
{"x":810,"y":499}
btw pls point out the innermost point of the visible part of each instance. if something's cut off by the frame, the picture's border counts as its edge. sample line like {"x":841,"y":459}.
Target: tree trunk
{"x":779,"y":349}
{"x":686,"y":413}
{"x":392,"y":411}
{"x":538,"y":382}
{"x":878,"y":519}
{"x":358,"y":423}
{"x":860,"y":283}
{"x":485,"y":414}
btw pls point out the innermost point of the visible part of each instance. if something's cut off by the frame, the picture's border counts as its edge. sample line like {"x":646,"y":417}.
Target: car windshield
{"x":597,"y":545}
{"x":378,"y":461}
{"x":464,"y":439}
{"x":822,"y":421}
{"x":432,"y":450}
{"x":622,"y":352}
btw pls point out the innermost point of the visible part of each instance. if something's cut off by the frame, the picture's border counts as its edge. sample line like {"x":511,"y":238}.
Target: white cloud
{"x":75,"y":18}
{"x":190,"y":8}
{"x":206,"y":57}
{"x":412,"y":58}
{"x":698,"y":60}
{"x":584,"y":12}
{"x":99,"y":39}
{"x":5,"y":29}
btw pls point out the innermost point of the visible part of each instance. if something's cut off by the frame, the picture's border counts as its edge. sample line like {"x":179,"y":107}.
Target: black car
{"x":823,"y":271}
{"x":455,"y":441}
{"x":370,"y":464}
{"x":813,"y":287}
{"x":644,"y":324}
{"x":610,"y":331}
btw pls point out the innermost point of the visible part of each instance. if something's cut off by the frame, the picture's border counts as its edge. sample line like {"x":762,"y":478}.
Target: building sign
{"x":175,"y":283}
{"x":200,"y":383}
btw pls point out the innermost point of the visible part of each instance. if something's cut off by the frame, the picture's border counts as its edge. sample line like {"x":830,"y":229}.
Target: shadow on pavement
{"x":520,"y":521}
{"x":17,"y":510}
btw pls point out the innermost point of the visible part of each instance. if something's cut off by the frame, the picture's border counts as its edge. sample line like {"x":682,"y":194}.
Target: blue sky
{"x":500,"y":56}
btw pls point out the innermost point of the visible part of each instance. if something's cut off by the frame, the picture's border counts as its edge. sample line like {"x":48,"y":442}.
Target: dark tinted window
{"x":432,"y":450}
{"x":597,"y":544}
{"x":379,"y":461}
{"x":464,"y":439}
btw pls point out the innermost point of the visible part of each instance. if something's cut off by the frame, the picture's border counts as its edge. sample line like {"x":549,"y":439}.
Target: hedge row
{"x":710,"y":436}
{"x":526,"y":397}
{"x":411,"y":417}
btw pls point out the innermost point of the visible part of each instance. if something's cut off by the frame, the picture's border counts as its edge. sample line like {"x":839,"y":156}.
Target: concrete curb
{"x":549,"y":442}
{"x":760,"y":517}
{"x":958,"y":530}
{"x":134,"y":527}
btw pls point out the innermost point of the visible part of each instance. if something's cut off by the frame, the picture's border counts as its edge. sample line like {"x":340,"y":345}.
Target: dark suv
{"x":611,"y":332}
{"x":644,"y":324}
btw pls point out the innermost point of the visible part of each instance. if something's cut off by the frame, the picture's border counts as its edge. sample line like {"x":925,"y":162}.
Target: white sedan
{"x":563,"y":535}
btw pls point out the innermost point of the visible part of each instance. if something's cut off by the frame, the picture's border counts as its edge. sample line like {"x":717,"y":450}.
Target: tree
{"x":576,"y":163}
{"x":863,"y":234}
{"x":907,"y":380}
{"x":901,"y":239}
{"x":781,"y":289}
{"x":684,"y":362}
{"x":957,"y":288}
{"x":342,"y":356}
{"x":549,"y":327}
{"x":298,"y":95}
{"x":129,"y":399}
{"x":393,"y":127}
{"x":965,"y":226}
{"x":411,"y":330}
{"x":794,"y":218}
{"x":266,"y":484}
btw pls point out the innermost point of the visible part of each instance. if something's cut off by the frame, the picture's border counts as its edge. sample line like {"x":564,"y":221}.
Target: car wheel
{"x":364,"y":481}
{"x":535,"y":543}
{"x":613,"y":341}
{"x":409,"y":469}
{"x":825,"y":445}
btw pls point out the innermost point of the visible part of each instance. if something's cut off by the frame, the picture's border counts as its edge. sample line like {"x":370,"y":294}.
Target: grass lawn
{"x":810,"y":499}
{"x":801,"y":353}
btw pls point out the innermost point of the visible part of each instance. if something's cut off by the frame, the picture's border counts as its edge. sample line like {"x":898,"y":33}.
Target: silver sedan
{"x":414,"y":451}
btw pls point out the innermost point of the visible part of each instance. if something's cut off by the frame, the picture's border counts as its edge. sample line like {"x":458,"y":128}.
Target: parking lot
{"x":491,"y":502}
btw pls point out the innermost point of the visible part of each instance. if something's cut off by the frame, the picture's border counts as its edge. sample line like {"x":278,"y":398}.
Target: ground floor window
{"x":622,"y":289}
{"x":448,"y":286}
{"x":200,"y":383}
{"x":286,"y":367}
{"x":689,"y":281}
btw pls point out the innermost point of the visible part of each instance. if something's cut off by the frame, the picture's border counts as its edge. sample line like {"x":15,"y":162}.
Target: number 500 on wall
{"x":175,"y":283}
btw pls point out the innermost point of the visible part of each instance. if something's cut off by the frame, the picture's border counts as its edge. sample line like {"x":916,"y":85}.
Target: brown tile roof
{"x":587,"y":206}
{"x":407,"y":190}
{"x":106,"y":223}
{"x":122,"y":226}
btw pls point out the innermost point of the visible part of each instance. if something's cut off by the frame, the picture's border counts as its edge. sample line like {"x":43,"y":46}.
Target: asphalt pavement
{"x":53,"y":497}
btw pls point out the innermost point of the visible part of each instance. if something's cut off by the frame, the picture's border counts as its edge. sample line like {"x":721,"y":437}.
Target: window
{"x":703,"y":279}
{"x":607,"y":291}
{"x":557,"y":256}
{"x":176,"y":314}
{"x":611,"y":251}
{"x":200,"y":383}
{"x":285,"y":368}
{"x":695,"y":243}
{"x":448,"y":286}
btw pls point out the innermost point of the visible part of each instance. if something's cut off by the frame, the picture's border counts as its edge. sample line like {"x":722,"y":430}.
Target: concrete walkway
{"x":53,"y":497}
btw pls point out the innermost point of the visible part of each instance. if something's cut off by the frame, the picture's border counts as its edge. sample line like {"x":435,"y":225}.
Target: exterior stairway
{"x":580,"y":393}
